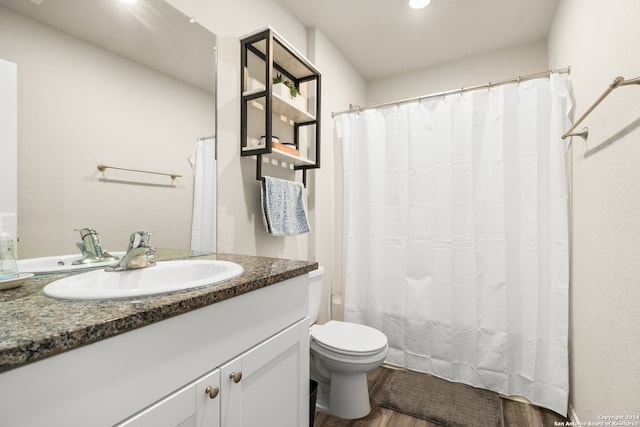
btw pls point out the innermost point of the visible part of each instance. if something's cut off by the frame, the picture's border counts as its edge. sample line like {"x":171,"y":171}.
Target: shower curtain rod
{"x":617,"y":82}
{"x":356,"y":108}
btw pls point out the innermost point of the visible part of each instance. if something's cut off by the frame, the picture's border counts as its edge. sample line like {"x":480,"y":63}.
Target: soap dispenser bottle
{"x":8,"y":264}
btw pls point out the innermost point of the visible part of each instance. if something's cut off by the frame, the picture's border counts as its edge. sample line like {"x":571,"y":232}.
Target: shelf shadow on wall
{"x":620,"y":134}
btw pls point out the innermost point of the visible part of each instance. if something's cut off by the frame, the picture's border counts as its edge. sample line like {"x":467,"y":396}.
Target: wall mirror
{"x":106,"y":82}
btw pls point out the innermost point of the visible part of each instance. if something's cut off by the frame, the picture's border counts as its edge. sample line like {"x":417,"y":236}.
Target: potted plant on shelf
{"x":293,"y":90}
{"x":288,"y":92}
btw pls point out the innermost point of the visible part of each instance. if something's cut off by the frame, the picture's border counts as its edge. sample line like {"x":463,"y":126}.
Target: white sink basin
{"x":164,"y":277}
{"x":59,"y":263}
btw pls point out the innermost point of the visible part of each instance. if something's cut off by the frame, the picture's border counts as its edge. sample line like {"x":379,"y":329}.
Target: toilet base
{"x":349,"y":396}
{"x":344,"y":397}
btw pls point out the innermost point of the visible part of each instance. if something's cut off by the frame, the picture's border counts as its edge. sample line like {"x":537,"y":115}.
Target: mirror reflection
{"x":104,"y":82}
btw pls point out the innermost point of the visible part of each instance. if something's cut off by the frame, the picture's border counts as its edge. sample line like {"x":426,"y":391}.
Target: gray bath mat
{"x":441,"y":402}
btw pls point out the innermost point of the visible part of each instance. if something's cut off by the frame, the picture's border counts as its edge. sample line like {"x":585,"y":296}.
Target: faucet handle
{"x":139,"y":239}
{"x":139,"y":254}
{"x":90,"y":248}
{"x":86,"y":231}
{"x":83,"y":248}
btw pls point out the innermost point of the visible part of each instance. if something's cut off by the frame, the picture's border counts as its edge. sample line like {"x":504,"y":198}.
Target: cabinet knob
{"x":236,"y":376}
{"x":212,"y":391}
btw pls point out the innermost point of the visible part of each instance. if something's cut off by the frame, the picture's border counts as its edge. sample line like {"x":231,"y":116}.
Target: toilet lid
{"x":349,"y":338}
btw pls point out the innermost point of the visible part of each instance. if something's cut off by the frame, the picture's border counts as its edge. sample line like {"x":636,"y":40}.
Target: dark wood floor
{"x":515,"y":414}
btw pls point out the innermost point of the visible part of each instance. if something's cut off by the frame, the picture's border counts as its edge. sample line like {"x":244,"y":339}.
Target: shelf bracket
{"x":259,"y":176}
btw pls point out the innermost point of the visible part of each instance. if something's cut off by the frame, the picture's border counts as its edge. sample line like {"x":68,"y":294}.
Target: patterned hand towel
{"x":283,"y":209}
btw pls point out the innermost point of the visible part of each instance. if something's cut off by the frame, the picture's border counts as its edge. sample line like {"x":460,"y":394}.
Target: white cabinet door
{"x":177,"y":409}
{"x":208,"y":400}
{"x":263,"y":386}
{"x":195,"y":405}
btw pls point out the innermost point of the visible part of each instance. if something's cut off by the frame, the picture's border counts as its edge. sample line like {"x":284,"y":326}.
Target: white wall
{"x":341,"y":85}
{"x":601,"y":40}
{"x":240,"y":226}
{"x":476,"y":70}
{"x":73,"y":101}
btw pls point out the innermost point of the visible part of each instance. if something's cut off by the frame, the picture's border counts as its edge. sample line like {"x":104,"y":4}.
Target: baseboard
{"x":397,"y":368}
{"x":573,"y":416}
{"x":516,"y":398}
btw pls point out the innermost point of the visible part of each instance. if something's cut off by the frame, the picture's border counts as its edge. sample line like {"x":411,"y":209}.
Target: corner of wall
{"x":573,"y":416}
{"x":603,"y":363}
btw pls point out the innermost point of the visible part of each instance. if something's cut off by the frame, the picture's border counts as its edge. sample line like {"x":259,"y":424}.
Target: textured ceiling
{"x":385,"y":37}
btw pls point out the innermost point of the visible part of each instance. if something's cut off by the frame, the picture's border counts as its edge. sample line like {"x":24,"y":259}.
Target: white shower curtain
{"x":456,"y":235}
{"x":203,"y":222}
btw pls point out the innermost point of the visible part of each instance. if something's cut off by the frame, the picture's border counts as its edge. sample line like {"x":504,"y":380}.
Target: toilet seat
{"x":349,"y":338}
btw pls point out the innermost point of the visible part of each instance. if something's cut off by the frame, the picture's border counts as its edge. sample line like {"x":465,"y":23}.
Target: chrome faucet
{"x":91,"y":249}
{"x":139,"y":254}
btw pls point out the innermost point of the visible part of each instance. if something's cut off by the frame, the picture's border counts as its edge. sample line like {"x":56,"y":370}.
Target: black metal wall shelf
{"x":273,"y":56}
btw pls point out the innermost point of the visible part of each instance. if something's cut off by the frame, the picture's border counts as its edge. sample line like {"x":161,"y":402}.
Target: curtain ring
{"x":489,"y":87}
{"x":518,"y":80}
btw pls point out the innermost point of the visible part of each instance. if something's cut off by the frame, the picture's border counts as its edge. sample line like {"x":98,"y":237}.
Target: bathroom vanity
{"x":233,"y":354}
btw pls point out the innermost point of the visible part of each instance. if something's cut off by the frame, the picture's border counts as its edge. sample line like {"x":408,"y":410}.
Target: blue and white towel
{"x":283,"y":209}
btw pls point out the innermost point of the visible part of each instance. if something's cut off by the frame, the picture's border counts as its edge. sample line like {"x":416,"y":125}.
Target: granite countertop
{"x":34,"y":326}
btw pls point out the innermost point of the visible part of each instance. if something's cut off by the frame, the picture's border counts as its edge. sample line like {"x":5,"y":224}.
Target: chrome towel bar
{"x":102,"y":167}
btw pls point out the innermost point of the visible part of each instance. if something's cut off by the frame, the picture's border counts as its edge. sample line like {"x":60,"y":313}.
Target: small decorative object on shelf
{"x":280,"y":95}
{"x":263,"y":140}
{"x":287,"y":91}
{"x":293,"y":90}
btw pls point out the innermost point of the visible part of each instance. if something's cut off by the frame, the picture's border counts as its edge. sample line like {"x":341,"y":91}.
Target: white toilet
{"x":342,"y":354}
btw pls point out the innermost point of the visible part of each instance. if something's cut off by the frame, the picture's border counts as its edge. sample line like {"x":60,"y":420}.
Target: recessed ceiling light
{"x":129,"y":1}
{"x":418,"y":4}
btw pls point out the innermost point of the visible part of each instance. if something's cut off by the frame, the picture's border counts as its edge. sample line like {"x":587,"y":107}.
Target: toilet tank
{"x":315,"y":293}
